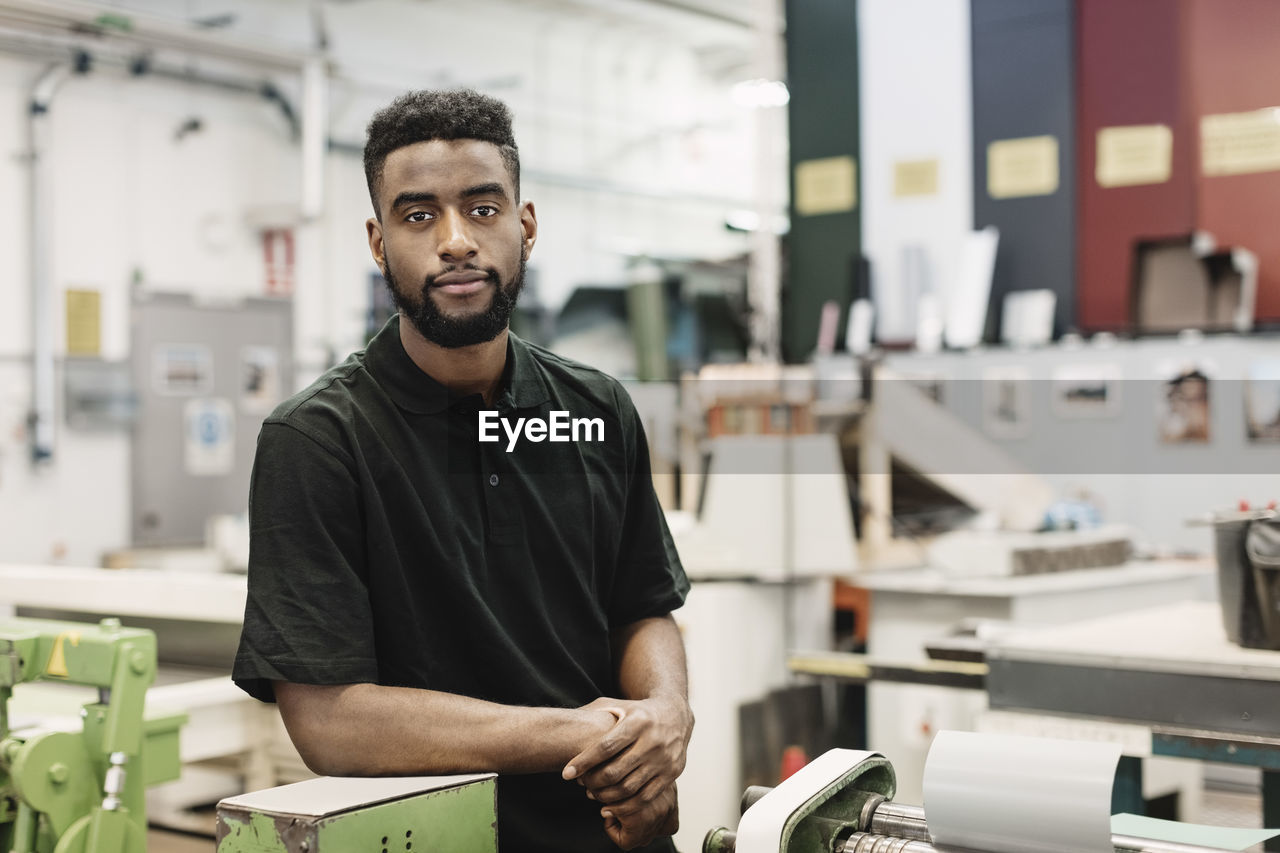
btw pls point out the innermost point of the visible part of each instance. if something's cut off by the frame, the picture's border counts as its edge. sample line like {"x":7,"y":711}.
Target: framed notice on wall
{"x":1018,"y":168}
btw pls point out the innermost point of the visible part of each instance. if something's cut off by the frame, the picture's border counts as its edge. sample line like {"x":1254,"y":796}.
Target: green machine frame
{"x":82,"y":791}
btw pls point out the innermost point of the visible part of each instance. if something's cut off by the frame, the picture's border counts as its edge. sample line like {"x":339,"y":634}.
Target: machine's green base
{"x":332,"y":815}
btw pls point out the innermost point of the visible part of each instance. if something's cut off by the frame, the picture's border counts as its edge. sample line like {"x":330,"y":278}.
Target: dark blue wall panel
{"x":1023,"y":85}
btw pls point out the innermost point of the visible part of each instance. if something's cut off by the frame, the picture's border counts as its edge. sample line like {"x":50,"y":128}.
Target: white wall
{"x":630,"y":109}
{"x":914,"y":77}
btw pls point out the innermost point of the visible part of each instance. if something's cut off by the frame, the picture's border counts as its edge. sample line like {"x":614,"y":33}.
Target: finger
{"x":622,"y":836}
{"x":613,"y":742}
{"x":632,"y":786}
{"x":638,"y":802}
{"x":613,"y":771}
{"x":614,"y":830}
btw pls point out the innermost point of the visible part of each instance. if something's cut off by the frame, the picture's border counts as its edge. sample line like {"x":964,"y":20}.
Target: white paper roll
{"x":1011,"y":794}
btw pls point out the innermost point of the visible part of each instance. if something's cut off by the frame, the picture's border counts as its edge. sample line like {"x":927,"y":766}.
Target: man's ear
{"x":528,"y":226}
{"x":374,"y":229}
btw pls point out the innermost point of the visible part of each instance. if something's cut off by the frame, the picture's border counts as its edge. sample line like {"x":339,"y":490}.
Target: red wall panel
{"x":1234,"y":56}
{"x":1130,"y":72}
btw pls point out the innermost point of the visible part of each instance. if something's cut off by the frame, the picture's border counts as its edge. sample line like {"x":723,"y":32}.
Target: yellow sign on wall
{"x":915,"y":178}
{"x":1134,"y":155}
{"x":84,"y":322}
{"x":1017,"y":168}
{"x":1240,"y":143}
{"x":826,"y":185}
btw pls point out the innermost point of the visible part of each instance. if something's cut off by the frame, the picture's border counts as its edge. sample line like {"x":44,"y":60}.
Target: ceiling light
{"x":755,"y":94}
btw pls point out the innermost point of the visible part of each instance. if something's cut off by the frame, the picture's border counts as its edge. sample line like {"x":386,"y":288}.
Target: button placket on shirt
{"x":501,"y":502}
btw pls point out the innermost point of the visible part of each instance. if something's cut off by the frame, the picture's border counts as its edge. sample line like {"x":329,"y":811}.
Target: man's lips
{"x":461,"y":283}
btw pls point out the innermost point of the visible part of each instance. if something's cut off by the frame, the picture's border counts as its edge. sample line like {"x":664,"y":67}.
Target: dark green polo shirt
{"x":390,"y":545}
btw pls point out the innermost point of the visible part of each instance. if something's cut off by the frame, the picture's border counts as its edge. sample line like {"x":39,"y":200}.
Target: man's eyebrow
{"x":409,"y":197}
{"x":485,"y":189}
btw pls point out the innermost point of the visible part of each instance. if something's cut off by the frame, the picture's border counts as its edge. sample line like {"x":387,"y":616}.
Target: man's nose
{"x":456,"y":241}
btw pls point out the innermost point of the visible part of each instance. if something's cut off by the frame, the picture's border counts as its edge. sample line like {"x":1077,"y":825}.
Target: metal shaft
{"x":902,"y":828}
{"x":900,"y":820}
{"x":862,"y":842}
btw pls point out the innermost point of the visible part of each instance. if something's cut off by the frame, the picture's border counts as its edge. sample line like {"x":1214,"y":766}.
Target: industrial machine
{"x":843,"y":803}
{"x":81,"y":789}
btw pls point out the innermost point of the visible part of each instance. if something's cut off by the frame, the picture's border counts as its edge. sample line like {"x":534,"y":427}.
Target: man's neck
{"x":476,"y":369}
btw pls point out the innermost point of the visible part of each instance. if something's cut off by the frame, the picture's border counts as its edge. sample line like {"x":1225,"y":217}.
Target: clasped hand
{"x":631,"y":771}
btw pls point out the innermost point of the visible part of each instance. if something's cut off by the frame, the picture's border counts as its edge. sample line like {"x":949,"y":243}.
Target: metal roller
{"x":902,"y":828}
{"x":861,"y":842}
{"x":899,"y":820}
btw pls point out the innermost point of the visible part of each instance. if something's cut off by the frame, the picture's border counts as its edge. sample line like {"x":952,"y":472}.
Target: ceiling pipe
{"x":90,"y":20}
{"x":314,"y":138}
{"x":73,"y":23}
{"x":54,"y":49}
{"x":81,"y":21}
{"x":41,"y":422}
{"x":764,"y":274}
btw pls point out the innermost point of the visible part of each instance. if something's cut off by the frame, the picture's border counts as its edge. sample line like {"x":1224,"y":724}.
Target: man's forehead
{"x":445,"y":163}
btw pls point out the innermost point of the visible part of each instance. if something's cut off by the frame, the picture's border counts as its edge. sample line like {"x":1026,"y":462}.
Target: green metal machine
{"x":415,"y":814}
{"x":82,"y":791}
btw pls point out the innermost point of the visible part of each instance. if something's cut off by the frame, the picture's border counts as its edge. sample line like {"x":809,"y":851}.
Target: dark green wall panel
{"x":822,"y":249}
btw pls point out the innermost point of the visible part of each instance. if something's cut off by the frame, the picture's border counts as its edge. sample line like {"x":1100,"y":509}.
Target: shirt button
{"x":493,"y":479}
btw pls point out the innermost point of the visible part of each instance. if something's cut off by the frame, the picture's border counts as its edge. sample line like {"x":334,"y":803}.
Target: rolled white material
{"x":760,"y":830}
{"x":1010,"y":794}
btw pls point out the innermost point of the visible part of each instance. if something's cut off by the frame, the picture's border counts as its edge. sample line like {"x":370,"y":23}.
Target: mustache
{"x":491,"y":274}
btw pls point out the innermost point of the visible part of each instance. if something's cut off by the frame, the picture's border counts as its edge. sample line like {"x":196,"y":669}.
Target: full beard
{"x":452,"y":332}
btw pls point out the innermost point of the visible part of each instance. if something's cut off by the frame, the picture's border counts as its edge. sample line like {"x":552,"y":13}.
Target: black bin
{"x":1248,"y":555}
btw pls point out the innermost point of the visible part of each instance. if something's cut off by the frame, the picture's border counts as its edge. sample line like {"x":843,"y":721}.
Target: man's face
{"x":453,"y":239}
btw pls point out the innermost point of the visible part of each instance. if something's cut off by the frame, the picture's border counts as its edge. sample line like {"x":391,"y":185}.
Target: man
{"x":424,"y":599}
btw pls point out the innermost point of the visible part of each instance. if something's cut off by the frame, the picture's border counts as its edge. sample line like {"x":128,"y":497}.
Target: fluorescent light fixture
{"x":749,"y":220}
{"x":755,"y":94}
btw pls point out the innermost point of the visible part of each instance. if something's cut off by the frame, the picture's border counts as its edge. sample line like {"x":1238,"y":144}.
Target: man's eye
{"x":485,"y":210}
{"x":418,"y":216}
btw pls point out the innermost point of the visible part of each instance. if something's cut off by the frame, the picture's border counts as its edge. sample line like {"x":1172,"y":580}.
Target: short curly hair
{"x":437,"y":114}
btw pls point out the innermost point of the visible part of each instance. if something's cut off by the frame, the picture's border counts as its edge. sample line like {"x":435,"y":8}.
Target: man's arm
{"x":372,"y":730}
{"x":638,"y":759}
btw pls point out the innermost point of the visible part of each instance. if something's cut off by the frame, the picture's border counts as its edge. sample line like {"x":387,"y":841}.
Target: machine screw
{"x":138,"y":662}
{"x":111,"y":623}
{"x":58,"y":773}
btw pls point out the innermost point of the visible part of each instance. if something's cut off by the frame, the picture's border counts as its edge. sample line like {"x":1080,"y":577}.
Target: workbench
{"x":912,"y":608}
{"x":1165,"y":681}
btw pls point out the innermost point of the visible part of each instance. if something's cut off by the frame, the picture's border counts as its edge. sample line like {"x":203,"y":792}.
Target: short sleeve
{"x":650,"y":580}
{"x":307,"y":617}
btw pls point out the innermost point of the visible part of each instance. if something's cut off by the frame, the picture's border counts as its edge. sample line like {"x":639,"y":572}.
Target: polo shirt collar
{"x":523,"y":382}
{"x":524,"y":385}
